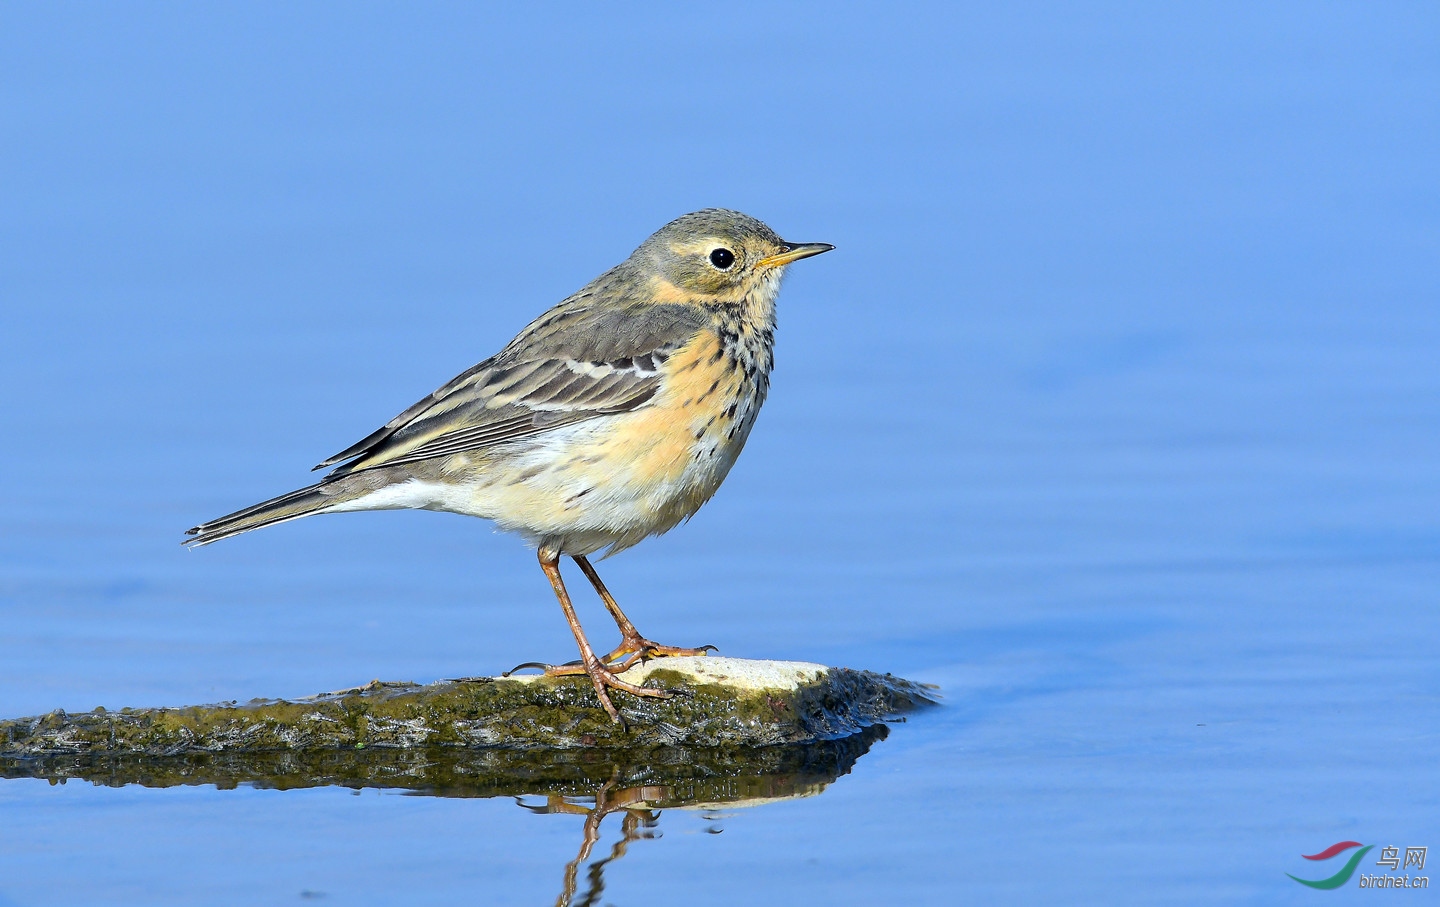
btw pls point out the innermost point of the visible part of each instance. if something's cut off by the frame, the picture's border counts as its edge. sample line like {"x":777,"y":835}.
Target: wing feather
{"x":572,"y":364}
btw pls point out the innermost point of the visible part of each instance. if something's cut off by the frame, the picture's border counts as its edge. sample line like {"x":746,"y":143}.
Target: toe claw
{"x":529,"y":664}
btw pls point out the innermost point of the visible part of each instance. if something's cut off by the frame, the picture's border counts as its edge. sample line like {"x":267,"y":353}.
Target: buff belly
{"x":607,"y":482}
{"x":579,"y":489}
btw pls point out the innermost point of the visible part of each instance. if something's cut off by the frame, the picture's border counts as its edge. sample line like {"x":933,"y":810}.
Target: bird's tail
{"x":302,"y":502}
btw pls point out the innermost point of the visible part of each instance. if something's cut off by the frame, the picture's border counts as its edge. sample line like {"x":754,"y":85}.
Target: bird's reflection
{"x":637,"y":822}
{"x":784,"y":773}
{"x":592,"y":784}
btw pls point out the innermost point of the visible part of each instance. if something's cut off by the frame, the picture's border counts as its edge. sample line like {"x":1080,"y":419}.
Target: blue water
{"x":1115,"y":413}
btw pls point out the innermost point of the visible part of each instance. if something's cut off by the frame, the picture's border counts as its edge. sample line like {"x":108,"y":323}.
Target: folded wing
{"x":572,"y":364}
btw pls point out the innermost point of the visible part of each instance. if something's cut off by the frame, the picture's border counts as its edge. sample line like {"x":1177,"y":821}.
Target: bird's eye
{"x":722,"y":258}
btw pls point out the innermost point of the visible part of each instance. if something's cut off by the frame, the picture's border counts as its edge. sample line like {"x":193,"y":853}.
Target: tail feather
{"x":301,"y":502}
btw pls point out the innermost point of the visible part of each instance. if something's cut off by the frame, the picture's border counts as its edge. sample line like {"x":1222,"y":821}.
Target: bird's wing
{"x":575,"y":362}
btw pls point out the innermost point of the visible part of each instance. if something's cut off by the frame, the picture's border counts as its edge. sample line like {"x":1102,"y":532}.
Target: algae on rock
{"x":719,"y":702}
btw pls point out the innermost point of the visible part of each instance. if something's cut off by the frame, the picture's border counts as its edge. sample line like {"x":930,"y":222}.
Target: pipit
{"x":610,"y":418}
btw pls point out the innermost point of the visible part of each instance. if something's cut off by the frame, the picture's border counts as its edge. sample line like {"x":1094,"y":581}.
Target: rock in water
{"x":720,"y":702}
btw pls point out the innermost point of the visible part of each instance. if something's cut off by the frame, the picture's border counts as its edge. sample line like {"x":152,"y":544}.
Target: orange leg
{"x":600,"y":674}
{"x":631,"y":643}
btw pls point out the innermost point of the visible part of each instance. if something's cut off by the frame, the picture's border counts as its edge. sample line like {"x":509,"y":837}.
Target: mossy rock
{"x":719,"y":702}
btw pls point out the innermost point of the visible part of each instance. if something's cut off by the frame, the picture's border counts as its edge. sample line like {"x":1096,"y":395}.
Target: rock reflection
{"x":638,"y":784}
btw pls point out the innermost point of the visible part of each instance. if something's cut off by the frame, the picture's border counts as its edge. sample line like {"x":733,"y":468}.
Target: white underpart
{"x":414,"y":494}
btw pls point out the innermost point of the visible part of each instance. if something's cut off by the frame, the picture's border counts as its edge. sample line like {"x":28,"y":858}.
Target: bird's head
{"x":717,"y":256}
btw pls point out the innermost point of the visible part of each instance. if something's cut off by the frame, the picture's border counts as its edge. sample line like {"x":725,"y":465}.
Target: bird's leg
{"x":600,"y":675}
{"x":631,"y":642}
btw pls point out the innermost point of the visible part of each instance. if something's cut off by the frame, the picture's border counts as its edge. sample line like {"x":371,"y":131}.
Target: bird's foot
{"x":625,"y":656}
{"x":635,"y":649}
{"x":602,"y":676}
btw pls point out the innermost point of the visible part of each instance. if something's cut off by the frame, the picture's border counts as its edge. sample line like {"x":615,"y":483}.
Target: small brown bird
{"x":612,"y":417}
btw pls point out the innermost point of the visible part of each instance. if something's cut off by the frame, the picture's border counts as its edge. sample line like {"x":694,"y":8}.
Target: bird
{"x":612,"y":417}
